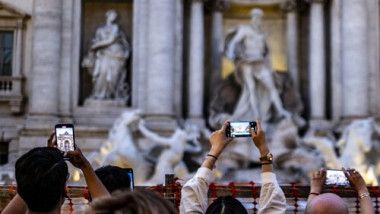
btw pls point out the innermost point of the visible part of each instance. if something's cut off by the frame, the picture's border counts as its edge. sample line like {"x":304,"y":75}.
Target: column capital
{"x":316,"y":1}
{"x":221,"y":5}
{"x":289,"y":5}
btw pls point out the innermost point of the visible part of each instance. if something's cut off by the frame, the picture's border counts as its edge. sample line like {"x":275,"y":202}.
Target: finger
{"x":258,"y":124}
{"x":225,"y":124}
{"x":50,"y":139}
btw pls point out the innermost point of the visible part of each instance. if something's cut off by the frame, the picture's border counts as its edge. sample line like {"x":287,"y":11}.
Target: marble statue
{"x":246,"y":45}
{"x":121,"y":149}
{"x":358,"y":147}
{"x":172,"y":154}
{"x":107,"y":59}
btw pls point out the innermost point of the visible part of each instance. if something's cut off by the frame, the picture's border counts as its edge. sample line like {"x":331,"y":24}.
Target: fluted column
{"x":290,"y":7}
{"x":160,"y":83}
{"x":317,"y":73}
{"x":140,"y":52}
{"x":373,"y":43}
{"x":216,"y":45}
{"x":65,"y":76}
{"x":354,"y":59}
{"x":196,"y":62}
{"x":46,"y":57}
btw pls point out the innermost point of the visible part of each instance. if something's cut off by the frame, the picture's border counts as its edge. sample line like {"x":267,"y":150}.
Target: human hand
{"x":77,"y":159}
{"x":219,"y":140}
{"x":51,"y":142}
{"x":356,"y":180}
{"x":317,"y":181}
{"x":259,"y":139}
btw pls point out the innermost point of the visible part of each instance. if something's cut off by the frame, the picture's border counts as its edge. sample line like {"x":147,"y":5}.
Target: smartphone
{"x":240,"y":128}
{"x":64,"y":133}
{"x":336,"y":177}
{"x":130,"y":174}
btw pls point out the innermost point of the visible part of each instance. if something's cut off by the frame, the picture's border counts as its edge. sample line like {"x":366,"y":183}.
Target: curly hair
{"x":140,"y":201}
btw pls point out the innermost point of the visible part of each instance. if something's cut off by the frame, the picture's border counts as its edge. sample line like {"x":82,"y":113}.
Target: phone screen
{"x":336,"y":177}
{"x":65,"y":137}
{"x":240,"y":128}
{"x":130,"y":174}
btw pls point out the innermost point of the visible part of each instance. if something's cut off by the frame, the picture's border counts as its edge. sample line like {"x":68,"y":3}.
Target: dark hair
{"x":141,"y":201}
{"x":41,"y":176}
{"x":226,"y":205}
{"x":113,"y":178}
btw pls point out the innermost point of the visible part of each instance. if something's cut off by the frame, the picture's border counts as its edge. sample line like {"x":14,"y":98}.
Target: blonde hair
{"x":140,"y":201}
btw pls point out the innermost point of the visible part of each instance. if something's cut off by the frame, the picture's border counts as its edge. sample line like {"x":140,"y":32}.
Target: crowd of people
{"x":42,"y":173}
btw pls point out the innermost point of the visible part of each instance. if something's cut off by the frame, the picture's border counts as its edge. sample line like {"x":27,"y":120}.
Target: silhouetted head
{"x":226,"y":205}
{"x":113,"y":178}
{"x":41,"y":176}
{"x":327,"y":203}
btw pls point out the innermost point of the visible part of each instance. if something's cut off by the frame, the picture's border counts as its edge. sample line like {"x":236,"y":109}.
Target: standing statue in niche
{"x":107,"y":59}
{"x":246,"y":45}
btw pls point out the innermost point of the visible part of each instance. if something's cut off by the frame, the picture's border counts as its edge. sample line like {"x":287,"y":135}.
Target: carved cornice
{"x":289,"y":5}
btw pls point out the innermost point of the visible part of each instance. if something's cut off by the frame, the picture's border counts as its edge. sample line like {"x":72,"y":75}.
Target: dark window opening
{"x":6,"y":53}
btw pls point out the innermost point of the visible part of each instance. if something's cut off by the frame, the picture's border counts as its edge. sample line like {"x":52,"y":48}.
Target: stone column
{"x":354,"y":59}
{"x":140,"y":52}
{"x":374,"y":59}
{"x":336,"y":60}
{"x":317,"y":73}
{"x":196,"y":62}
{"x":216,"y":45}
{"x":46,"y":58}
{"x":290,"y":7}
{"x":65,"y":83}
{"x":161,"y":41}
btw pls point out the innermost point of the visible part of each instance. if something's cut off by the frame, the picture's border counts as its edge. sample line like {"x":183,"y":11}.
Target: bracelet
{"x":266,"y":163}
{"x":216,"y":158}
{"x":313,"y":193}
{"x":366,"y":194}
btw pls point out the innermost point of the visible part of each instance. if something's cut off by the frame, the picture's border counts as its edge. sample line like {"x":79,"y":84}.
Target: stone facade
{"x":176,"y":64}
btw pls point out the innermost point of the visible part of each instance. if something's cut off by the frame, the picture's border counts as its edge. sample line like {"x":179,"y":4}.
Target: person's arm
{"x":194,"y":192}
{"x":316,"y":184}
{"x":357,"y":182}
{"x":95,"y":186}
{"x":272,"y":198}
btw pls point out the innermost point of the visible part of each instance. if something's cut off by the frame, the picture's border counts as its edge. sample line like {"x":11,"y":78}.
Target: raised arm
{"x":316,"y":184}
{"x":272,"y":198}
{"x":95,"y":186}
{"x":357,"y":182}
{"x":194,"y":192}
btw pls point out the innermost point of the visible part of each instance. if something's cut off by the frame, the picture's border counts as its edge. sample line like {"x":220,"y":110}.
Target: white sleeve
{"x":272,"y":198}
{"x":194,"y":197}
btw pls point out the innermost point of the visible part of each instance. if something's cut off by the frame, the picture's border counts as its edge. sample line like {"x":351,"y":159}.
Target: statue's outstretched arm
{"x":164,"y":141}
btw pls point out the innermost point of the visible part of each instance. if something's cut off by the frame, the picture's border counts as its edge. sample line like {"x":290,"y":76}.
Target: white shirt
{"x":194,"y":198}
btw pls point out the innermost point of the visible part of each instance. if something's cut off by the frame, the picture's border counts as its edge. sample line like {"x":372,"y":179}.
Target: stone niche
{"x":93,"y":16}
